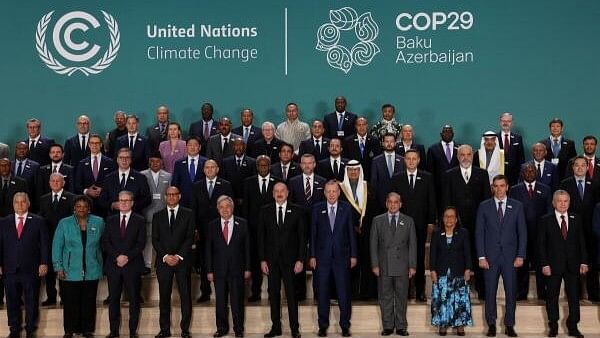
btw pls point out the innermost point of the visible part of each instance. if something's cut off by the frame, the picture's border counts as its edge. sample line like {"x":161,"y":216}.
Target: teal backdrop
{"x":535,"y":58}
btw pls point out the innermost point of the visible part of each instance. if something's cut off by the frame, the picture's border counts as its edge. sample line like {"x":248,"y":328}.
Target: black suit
{"x":330,"y":122}
{"x":174,"y":239}
{"x":205,"y":208}
{"x":352,"y":151}
{"x":281,"y":246}
{"x":44,"y":173}
{"x":514,"y":156}
{"x":228,"y":262}
{"x":567,"y":152}
{"x":111,"y":141}
{"x":456,"y":256}
{"x":293,"y":169}
{"x":596,"y":170}
{"x":401,"y":150}
{"x":14,"y":185}
{"x":381,"y":180}
{"x":325,"y":169}
{"x":131,"y":243}
{"x":466,"y":198}
{"x":40,"y":152}
{"x":308,"y":147}
{"x":155,"y":137}
{"x":254,"y":135}
{"x":84,"y":178}
{"x":53,"y":213}
{"x":136,"y":183}
{"x":584,"y":208}
{"x":73,"y":151}
{"x":420,"y":204}
{"x":140,"y":152}
{"x":261,"y":147}
{"x":216,"y":151}
{"x":437,"y":165}
{"x":29,"y":173}
{"x":236,"y":175}
{"x":253,"y":201}
{"x":197,"y":129}
{"x":564,"y":258}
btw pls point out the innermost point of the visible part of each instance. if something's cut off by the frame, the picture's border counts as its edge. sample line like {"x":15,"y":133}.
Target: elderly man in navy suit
{"x":333,"y":252}
{"x":501,"y":243}
{"x":23,"y":260}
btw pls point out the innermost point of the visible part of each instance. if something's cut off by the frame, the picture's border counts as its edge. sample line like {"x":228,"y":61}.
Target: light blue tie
{"x":245,"y":135}
{"x":332,"y":218}
{"x":555,"y":147}
{"x":580,"y":188}
{"x":390,"y":165}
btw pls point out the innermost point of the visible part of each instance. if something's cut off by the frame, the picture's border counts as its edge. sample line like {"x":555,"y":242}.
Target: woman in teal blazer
{"x":77,"y":260}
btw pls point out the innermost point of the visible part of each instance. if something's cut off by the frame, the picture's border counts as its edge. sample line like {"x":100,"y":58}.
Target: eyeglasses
{"x":125,"y":201}
{"x":172,"y":194}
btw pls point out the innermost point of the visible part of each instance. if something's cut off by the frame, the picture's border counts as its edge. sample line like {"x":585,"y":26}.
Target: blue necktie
{"x":192,"y":169}
{"x":580,"y":188}
{"x":341,"y":121}
{"x":361,"y":144}
{"x":332,"y":218}
{"x":390,"y":165}
{"x":555,"y":147}
{"x":210,"y":188}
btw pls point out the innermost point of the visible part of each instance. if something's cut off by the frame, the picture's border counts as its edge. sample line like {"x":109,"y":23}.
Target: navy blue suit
{"x":73,"y":152}
{"x":43,"y":178}
{"x":236,"y":175}
{"x":419,"y":148}
{"x":548,"y":176}
{"x":352,"y":151}
{"x":536,"y":206}
{"x":40,"y":152}
{"x":254,"y":135}
{"x":84,"y":177}
{"x":380,"y":177}
{"x":514,"y":157}
{"x":296,"y":186}
{"x":20,"y":259}
{"x":139,"y":153}
{"x":28,"y":173}
{"x":333,"y":250}
{"x":293,"y":169}
{"x":330,"y":122}
{"x":567,"y":152}
{"x":181,"y":178}
{"x":197,"y":129}
{"x":308,"y":147}
{"x":500,"y":242}
{"x":136,"y":183}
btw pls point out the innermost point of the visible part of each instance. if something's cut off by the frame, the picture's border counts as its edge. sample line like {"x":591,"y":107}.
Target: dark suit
{"x":281,"y":246}
{"x":501,"y":241}
{"x":330,"y":122}
{"x":236,"y":175}
{"x":567,"y":152}
{"x":548,"y":176}
{"x":400,"y":150}
{"x":253,"y":201}
{"x":332,"y":251}
{"x":595,"y":163}
{"x":596,"y":230}
{"x":155,"y":137}
{"x":20,"y":259}
{"x":584,"y":208}
{"x":455,"y":256}
{"x":174,"y":239}
{"x":254,"y":135}
{"x":261,"y":147}
{"x":140,"y":152}
{"x":197,"y":129}
{"x":228,"y":262}
{"x":29,"y":173}
{"x":437,"y":165}
{"x":111,"y":141}
{"x":534,"y":206}
{"x":43,"y":178}
{"x":84,"y":178}
{"x":564,"y":258}
{"x":15,"y":184}
{"x":325,"y":169}
{"x":418,"y":203}
{"x":352,"y":151}
{"x":181,"y":178}
{"x":205,"y":208}
{"x":136,"y":183}
{"x":73,"y":151}
{"x":381,"y":180}
{"x":308,"y":147}
{"x":514,"y":156}
{"x":293,"y":169}
{"x":131,"y":244}
{"x":40,"y":152}
{"x":53,"y":213}
{"x":214,"y":149}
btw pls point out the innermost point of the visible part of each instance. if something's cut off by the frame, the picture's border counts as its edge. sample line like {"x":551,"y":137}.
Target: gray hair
{"x":21,"y":194}
{"x":225,"y":198}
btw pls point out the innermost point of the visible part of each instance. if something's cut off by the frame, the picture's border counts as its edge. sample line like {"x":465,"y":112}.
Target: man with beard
{"x":489,"y":156}
{"x":55,"y":166}
{"x":512,"y":144}
{"x":384,"y":167}
{"x":110,"y":146}
{"x":589,"y":152}
{"x":362,"y":146}
{"x":317,"y":144}
{"x":219,"y":145}
{"x":332,"y":167}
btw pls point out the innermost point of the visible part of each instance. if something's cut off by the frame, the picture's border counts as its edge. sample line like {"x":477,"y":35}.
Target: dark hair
{"x":500,"y":177}
{"x":555,"y":120}
{"x":284,"y":144}
{"x":97,"y":136}
{"x":388,"y":135}
{"x":450,"y":207}
{"x":82,"y":198}
{"x":590,"y":137}
{"x":412,"y":151}
{"x":155,"y":154}
{"x":388,"y":105}
{"x":57,"y":145}
{"x":133,"y":116}
{"x":195,"y":138}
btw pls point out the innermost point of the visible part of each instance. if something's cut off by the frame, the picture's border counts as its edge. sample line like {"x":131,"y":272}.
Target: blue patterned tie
{"x":580,"y":188}
{"x":192,"y":169}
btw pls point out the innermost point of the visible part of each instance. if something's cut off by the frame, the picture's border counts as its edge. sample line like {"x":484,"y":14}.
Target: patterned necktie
{"x":95,"y":168}
{"x":563,"y":227}
{"x":341,"y":121}
{"x":555,"y":148}
{"x":54,"y":169}
{"x":192,"y":170}
{"x":580,"y":188}
{"x":361,"y":145}
{"x":467,"y":177}
{"x":500,"y":212}
{"x":591,"y":168}
{"x":307,"y":190}
{"x":506,"y":145}
{"x":332,"y":218}
{"x":123,"y":225}
{"x":448,"y":153}
{"x":226,"y":231}
{"x":530,"y":190}
{"x":20,"y":227}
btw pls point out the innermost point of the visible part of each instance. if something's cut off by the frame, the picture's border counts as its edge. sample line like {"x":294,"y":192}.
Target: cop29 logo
{"x":365,"y":29}
{"x":76,"y":55}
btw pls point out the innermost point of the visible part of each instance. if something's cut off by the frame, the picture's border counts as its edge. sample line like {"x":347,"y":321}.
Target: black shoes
{"x":112,"y":335}
{"x":346,"y":332}
{"x":491,"y":331}
{"x":186,"y":335}
{"x":163,"y":334}
{"x":239,"y":334}
{"x":296,"y":334}
{"x":421,"y":299}
{"x":68,"y":335}
{"x":575,"y":333}
{"x":219,"y":334}
{"x":510,"y":331}
{"x":387,"y":332}
{"x":87,"y":335}
{"x":322,"y":332}
{"x":402,"y":332}
{"x":254,"y":298}
{"x":273,"y":333}
{"x":442,"y":331}
{"x":553,"y":332}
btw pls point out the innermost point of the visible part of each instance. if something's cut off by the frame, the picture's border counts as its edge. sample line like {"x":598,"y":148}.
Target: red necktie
{"x":591,"y":168}
{"x":530,"y":191}
{"x":506,"y":144}
{"x":20,"y":227}
{"x":226,"y":231}
{"x":563,"y":227}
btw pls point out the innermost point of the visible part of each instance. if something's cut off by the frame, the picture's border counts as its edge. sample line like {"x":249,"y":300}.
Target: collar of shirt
{"x":311,"y":177}
{"x":407,"y":145}
{"x":466,"y":170}
{"x":408,"y":173}
{"x":135,"y":135}
{"x":59,"y":193}
{"x":505,"y":134}
{"x":126,"y":172}
{"x":209,"y":122}
{"x":284,"y":205}
{"x":127,"y":215}
{"x":260,"y":179}
{"x":339,"y":159}
{"x":196,"y":158}
{"x":155,"y":175}
{"x":559,"y":219}
{"x":97,"y":154}
{"x":340,"y":112}
{"x":527,"y":184}
{"x":24,"y":161}
{"x":81,"y":135}
{"x":451,"y":144}
{"x":362,"y":137}
{"x":36,"y":139}
{"x":17,"y":218}
{"x":559,"y":138}
{"x":579,"y":178}
{"x":57,"y":165}
{"x":397,"y":214}
{"x":335,"y":206}
{"x":213,"y":180}
{"x":320,"y":139}
{"x":176,"y":208}
{"x":241,"y":158}
{"x":497,"y":200}
{"x":393,"y":153}
{"x":223,"y":137}
{"x":590,"y":158}
{"x":541,"y":163}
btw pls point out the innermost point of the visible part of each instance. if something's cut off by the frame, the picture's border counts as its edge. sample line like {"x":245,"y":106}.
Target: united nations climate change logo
{"x":78,"y":54}
{"x":365,"y":29}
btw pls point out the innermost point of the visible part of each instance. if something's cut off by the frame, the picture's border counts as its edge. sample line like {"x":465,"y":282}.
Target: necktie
{"x":263,"y":188}
{"x":54,"y":167}
{"x":4,"y":185}
{"x":393,"y":222}
{"x":448,"y":153}
{"x":192,"y":169}
{"x":155,"y":178}
{"x":226,"y":231}
{"x":336,"y":168}
{"x":131,"y":142}
{"x":506,"y":144}
{"x":280,"y":217}
{"x":539,"y":171}
{"x":361,"y":145}
{"x":225,"y":144}
{"x":162,"y":128}
{"x":284,"y":171}
{"x":580,"y":188}
{"x":390,"y":165}
{"x":500,"y":212}
{"x":210,"y":188}
{"x":318,"y":146}
{"x":20,"y":169}
{"x":123,"y":181}
{"x":95,"y":167}
{"x":206,"y":131}
{"x":412,"y":181}
{"x":31,"y":145}
{"x":466,"y":177}
{"x":340,"y":121}
{"x":55,"y":200}
{"x":20,"y":227}
{"x":123,"y":224}
{"x":172,"y":218}
{"x":530,"y":190}
{"x":555,"y":147}
{"x":239,"y":164}
{"x":563,"y":227}
{"x":83,"y":143}
{"x":246,"y":134}
{"x":332,"y":218}
{"x":591,"y":168}
{"x":307,"y":190}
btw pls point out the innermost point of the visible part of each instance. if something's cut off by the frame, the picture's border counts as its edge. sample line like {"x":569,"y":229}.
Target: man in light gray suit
{"x":394,"y":262}
{"x":220,"y":146}
{"x":158,"y":182}
{"x":4,"y":150}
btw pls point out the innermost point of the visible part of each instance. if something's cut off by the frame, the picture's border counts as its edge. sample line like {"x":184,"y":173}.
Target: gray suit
{"x":214,"y":149}
{"x":4,"y":153}
{"x":157,"y":192}
{"x":394,"y":251}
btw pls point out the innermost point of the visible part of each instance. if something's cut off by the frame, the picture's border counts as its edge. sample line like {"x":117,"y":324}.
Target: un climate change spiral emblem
{"x":365,"y":29}
{"x":77,"y":54}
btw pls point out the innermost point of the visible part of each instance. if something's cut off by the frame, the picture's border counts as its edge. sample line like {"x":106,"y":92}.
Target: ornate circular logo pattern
{"x":365,"y":29}
{"x":49,"y":60}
